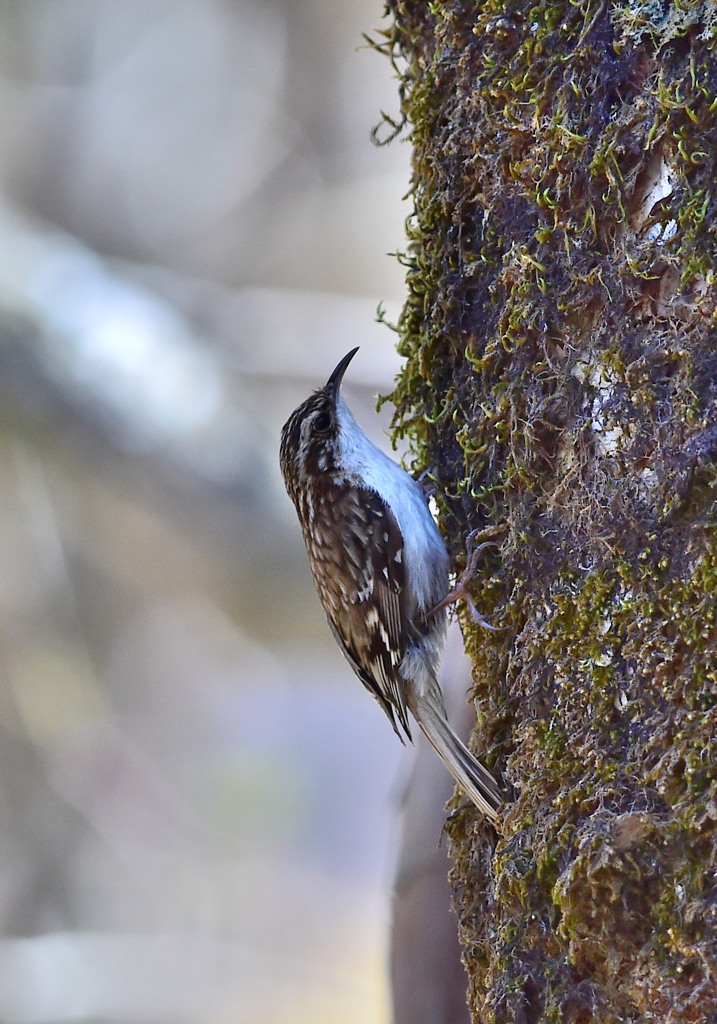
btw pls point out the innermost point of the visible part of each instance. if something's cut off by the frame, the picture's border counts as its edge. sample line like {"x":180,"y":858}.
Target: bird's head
{"x":310,"y":437}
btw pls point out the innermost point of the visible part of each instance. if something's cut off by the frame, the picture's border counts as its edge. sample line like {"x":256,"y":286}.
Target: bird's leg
{"x":427,"y":484}
{"x":461,"y":591}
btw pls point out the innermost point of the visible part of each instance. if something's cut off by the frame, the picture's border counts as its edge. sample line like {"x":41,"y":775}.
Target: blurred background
{"x":197,"y":799}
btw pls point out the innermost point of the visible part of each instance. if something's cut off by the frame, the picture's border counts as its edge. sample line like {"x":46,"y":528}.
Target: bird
{"x":381,"y":570}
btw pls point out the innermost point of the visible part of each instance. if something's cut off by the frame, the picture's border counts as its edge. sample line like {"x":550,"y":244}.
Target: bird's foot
{"x":427,"y":484}
{"x":461,"y":591}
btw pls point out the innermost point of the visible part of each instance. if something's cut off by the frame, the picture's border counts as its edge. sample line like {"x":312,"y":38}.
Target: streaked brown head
{"x":309,"y":438}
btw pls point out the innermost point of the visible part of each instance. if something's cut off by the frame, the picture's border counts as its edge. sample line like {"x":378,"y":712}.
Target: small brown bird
{"x":381,"y":571}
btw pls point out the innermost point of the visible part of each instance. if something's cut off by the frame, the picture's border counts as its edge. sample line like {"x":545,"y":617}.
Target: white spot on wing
{"x":372,"y":617}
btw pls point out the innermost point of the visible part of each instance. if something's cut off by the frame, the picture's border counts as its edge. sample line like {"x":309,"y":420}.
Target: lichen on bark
{"x":560,"y":385}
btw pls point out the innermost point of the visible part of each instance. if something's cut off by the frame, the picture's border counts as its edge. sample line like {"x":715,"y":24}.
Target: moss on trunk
{"x":560,"y":384}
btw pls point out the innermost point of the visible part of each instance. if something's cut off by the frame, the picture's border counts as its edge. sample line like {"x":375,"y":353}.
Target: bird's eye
{"x":322,"y":423}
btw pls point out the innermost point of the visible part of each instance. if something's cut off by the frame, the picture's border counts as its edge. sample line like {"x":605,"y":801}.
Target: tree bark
{"x":560,"y":385}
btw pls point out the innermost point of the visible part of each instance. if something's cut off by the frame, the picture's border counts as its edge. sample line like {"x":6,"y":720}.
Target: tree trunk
{"x":560,"y":385}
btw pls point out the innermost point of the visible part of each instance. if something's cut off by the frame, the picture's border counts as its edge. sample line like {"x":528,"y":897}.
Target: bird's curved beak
{"x":334,"y":382}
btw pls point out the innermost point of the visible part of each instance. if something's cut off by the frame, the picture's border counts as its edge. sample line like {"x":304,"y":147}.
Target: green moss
{"x":560,"y":344}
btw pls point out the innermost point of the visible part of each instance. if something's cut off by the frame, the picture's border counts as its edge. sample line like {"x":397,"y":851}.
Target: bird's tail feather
{"x":475,"y":780}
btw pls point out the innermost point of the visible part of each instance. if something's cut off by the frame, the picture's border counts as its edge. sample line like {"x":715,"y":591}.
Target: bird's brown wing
{"x":362,"y":585}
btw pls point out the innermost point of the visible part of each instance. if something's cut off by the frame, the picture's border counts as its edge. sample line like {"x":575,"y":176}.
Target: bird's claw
{"x":461,"y":591}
